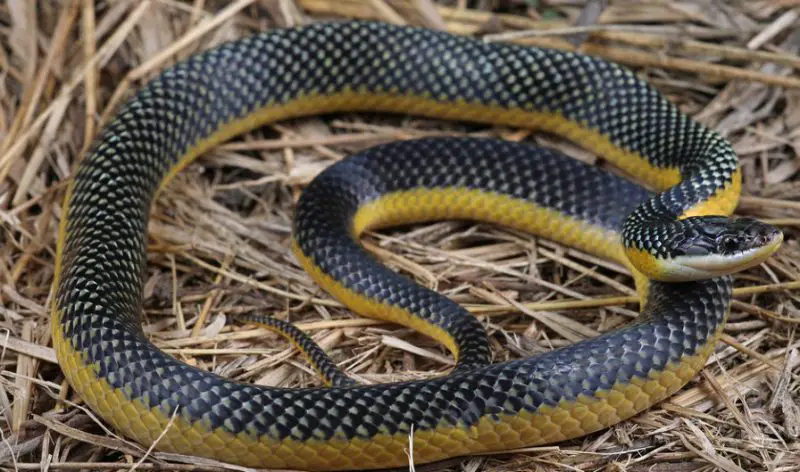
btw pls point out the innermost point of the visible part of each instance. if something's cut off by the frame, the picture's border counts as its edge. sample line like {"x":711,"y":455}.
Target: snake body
{"x":479,"y":407}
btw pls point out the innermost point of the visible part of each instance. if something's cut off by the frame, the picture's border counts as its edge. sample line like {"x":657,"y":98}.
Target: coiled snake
{"x":678,"y":253}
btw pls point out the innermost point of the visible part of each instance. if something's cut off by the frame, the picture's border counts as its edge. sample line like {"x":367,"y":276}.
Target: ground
{"x":220,"y":232}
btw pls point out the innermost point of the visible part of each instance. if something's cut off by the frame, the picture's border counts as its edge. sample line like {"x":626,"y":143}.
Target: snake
{"x":675,"y":233}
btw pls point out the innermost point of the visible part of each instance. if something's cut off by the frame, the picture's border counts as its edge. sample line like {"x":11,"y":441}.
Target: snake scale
{"x":678,"y":242}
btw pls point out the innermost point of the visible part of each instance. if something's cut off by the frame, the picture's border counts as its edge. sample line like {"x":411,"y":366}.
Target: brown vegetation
{"x":220,"y":231}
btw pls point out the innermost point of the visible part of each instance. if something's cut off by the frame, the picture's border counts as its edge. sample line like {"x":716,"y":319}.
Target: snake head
{"x":709,"y":246}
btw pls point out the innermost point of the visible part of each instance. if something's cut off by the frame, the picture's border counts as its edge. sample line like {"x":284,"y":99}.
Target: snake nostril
{"x":764,"y":236}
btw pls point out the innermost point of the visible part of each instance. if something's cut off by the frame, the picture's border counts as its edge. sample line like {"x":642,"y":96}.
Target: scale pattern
{"x":322,"y":363}
{"x":367,"y":66}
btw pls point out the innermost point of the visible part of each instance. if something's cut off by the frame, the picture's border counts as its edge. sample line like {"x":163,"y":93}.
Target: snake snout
{"x":748,"y":234}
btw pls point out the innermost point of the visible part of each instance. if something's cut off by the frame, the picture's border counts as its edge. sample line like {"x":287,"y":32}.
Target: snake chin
{"x":741,"y":244}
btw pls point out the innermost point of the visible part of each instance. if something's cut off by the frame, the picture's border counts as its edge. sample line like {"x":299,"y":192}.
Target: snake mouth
{"x":721,"y":264}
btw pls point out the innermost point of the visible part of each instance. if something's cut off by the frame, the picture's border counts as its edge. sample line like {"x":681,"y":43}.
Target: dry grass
{"x":220,"y":231}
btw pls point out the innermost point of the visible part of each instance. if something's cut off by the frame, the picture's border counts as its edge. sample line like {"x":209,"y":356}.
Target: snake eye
{"x":727,"y":244}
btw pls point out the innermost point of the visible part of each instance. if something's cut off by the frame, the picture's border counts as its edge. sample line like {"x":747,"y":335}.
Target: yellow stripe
{"x":363,"y":100}
{"x":371,"y":308}
{"x":549,"y":424}
{"x":421,"y":205}
{"x":723,"y":202}
{"x":650,"y":266}
{"x":426,"y":204}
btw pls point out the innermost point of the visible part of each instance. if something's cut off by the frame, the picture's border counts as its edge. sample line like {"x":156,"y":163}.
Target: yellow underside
{"x":548,"y":425}
{"x":724,"y":202}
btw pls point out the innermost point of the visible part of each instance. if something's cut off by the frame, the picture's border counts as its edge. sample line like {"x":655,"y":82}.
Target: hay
{"x":220,"y":231}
